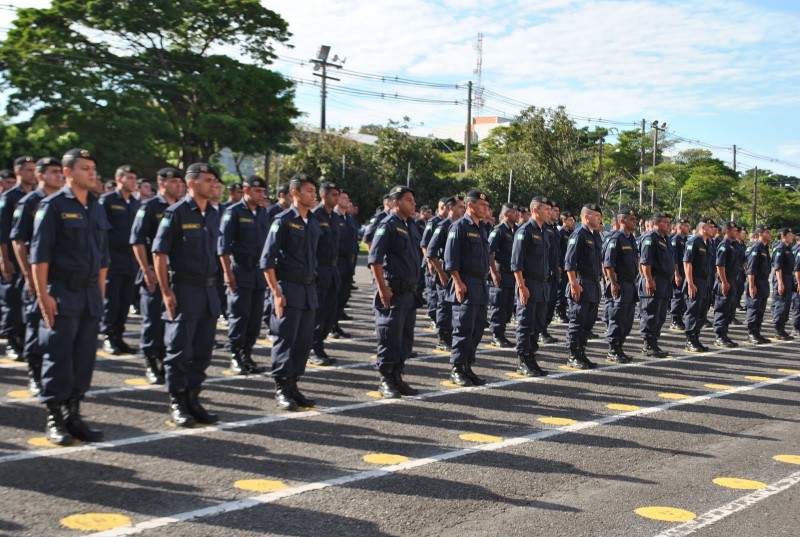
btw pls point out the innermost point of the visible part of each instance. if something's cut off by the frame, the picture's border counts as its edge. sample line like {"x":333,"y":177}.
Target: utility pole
{"x":321,"y":62}
{"x":600,"y":172}
{"x":468,"y":144}
{"x":734,"y":157}
{"x":641,"y":167}
{"x":755,"y":194}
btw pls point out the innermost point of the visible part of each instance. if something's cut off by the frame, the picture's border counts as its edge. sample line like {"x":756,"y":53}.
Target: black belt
{"x":536,"y":277}
{"x":73,"y":281}
{"x":195,"y":280}
{"x":245,"y":261}
{"x":293,"y":277}
{"x":327,"y":264}
{"x":400,"y":287}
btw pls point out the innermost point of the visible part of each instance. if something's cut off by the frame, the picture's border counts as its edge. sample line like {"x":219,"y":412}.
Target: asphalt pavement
{"x":696,"y":444}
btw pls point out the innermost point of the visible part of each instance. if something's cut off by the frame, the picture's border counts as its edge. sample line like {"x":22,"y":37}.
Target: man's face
{"x":541,"y":213}
{"x":593,"y":220}
{"x":663,"y":226}
{"x":629,"y":224}
{"x":235,"y":195}
{"x":512,"y":215}
{"x":569,"y":223}
{"x":457,"y":210}
{"x":405,"y":205}
{"x":254,"y":195}
{"x":788,"y":239}
{"x":53,"y":177}
{"x":204,"y":185}
{"x":127,"y":182}
{"x":27,"y":174}
{"x":442,"y":209}
{"x":703,"y":231}
{"x":555,"y":213}
{"x":145,"y":190}
{"x":765,"y":236}
{"x":174,"y":187}
{"x":684,"y":229}
{"x":331,"y":198}
{"x":732,"y":233}
{"x":305,"y":196}
{"x":216,"y":192}
{"x":479,"y":208}
{"x":427,"y":214}
{"x":743,"y":236}
{"x":344,"y":202}
{"x":83,"y":175}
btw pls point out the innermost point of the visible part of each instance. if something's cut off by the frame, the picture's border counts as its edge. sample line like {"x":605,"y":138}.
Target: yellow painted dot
{"x":264,"y":342}
{"x":170,"y":423}
{"x":719,"y":386}
{"x":439,"y":351}
{"x":790,"y":371}
{"x":568,"y":368}
{"x":674,"y":396}
{"x":376,"y":394}
{"x":789,"y":459}
{"x":19,"y":394}
{"x":10,"y":362}
{"x":105,"y":354}
{"x":137,"y":382}
{"x":515,"y":375}
{"x":260,"y":485}
{"x":95,"y":521}
{"x":623,"y":408}
{"x":450,"y":384}
{"x":41,"y":441}
{"x":666,"y":514}
{"x":315,"y":366}
{"x":736,"y":483}
{"x":373,"y":357}
{"x":384,"y":458}
{"x":557,"y":421}
{"x":228,"y":373}
{"x":482,"y":438}
{"x":429,"y":330}
{"x":757,"y":377}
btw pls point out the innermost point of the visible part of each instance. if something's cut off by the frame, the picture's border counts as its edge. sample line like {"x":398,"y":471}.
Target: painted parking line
{"x":177,"y":433}
{"x":238,"y":505}
{"x":715,"y":515}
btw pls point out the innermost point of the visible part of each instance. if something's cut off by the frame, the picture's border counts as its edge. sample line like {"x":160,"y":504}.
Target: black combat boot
{"x":575,"y":360}
{"x":780,"y":334}
{"x":724,"y":341}
{"x":297,"y":395}
{"x":15,"y":346}
{"x":56,"y":428}
{"x":473,"y":378}
{"x":583,"y":358}
{"x":499,"y":340}
{"x":459,"y":375}
{"x":153,"y":368}
{"x":237,"y":362}
{"x":692,"y":344}
{"x":529,"y":367}
{"x":651,"y":348}
{"x":283,"y":394}
{"x":179,"y":409}
{"x":546,"y":339}
{"x":402,"y":385}
{"x":615,"y":354}
{"x":35,"y":375}
{"x":320,"y":357}
{"x":388,"y":387}
{"x":200,"y":414}
{"x":76,"y":426}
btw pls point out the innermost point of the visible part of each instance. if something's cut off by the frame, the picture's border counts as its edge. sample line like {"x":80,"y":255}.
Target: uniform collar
{"x":161,"y":198}
{"x":191,"y":203}
{"x":68,"y":193}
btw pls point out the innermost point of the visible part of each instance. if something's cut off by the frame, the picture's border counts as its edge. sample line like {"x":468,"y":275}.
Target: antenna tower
{"x":478,"y":98}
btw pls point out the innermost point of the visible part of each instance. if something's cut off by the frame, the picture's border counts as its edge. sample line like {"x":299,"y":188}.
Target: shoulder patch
{"x":612,"y":243}
{"x":648,"y":242}
{"x":41,"y":212}
{"x":165,"y":222}
{"x":573,"y":240}
{"x":381,"y":231}
{"x":451,"y":235}
{"x":141,"y":212}
{"x":274,"y":227}
{"x":492,"y":235}
{"x":227,"y":217}
{"x":521,"y":237}
{"x":18,"y":211}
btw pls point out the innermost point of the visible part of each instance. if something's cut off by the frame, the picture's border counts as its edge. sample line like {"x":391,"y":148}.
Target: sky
{"x":718,"y":73}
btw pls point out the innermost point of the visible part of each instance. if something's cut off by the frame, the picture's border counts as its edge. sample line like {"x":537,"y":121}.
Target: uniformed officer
{"x":728,"y":262}
{"x":783,"y":283}
{"x":796,"y":299}
{"x":120,"y":207}
{"x":436,"y":246}
{"x":657,"y":266}
{"x":185,"y":263}
{"x":345,"y":261}
{"x":583,"y":265}
{"x":430,"y":275}
{"x":51,"y":180}
{"x":758,"y":270}
{"x":741,"y":244}
{"x":328,"y":278}
{"x":395,"y":260}
{"x":69,"y":259}
{"x":13,"y":329}
{"x":372,"y":226}
{"x":530,"y":262}
{"x":151,"y":305}
{"x":698,"y":265}
{"x":501,"y":290}
{"x":289,"y":261}
{"x":556,"y":264}
{"x":242,"y":236}
{"x":564,"y":231}
{"x":620,"y":264}
{"x":235,"y":194}
{"x":677,"y":306}
{"x":466,"y":259}
{"x":283,"y":202}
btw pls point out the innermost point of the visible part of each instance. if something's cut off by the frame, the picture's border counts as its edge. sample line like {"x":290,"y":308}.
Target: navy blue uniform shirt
{"x":327,"y":247}
{"x":439,"y":238}
{"x":73,"y":239}
{"x":120,"y":215}
{"x":531,"y":251}
{"x":242,"y":236}
{"x":758,"y":264}
{"x":783,"y":260}
{"x":22,"y":222}
{"x":467,"y":251}
{"x":8,"y":204}
{"x":145,"y":226}
{"x":291,"y":249}
{"x":678,"y":243}
{"x":728,"y":257}
{"x":396,"y":247}
{"x":697,"y":254}
{"x":501,"y":245}
{"x":372,"y":227}
{"x":555,"y":254}
{"x":427,"y":233}
{"x":622,"y":254}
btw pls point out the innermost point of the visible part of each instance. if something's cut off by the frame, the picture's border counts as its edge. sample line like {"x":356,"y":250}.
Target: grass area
{"x":362,"y":248}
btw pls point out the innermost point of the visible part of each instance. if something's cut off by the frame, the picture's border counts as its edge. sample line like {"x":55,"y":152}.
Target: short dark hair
{"x":299,"y":179}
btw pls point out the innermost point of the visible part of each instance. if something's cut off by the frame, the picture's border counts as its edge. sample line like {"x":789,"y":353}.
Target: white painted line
{"x":238,"y":505}
{"x":715,"y":515}
{"x":176,"y":433}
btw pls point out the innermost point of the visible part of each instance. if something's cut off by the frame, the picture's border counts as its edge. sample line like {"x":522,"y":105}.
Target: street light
{"x":656,"y":128}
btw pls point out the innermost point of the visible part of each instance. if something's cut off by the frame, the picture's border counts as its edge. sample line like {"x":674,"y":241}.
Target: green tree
{"x":143,"y":74}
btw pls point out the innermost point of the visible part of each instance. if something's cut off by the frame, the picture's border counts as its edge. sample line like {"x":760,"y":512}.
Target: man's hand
{"x":615,"y":287}
{"x":497,"y":279}
{"x":753,"y":291}
{"x":280,"y":304}
{"x":524,"y":295}
{"x":725,"y":288}
{"x":650,"y":286}
{"x":692,"y":289}
{"x":678,"y":281}
{"x":781,"y":287}
{"x":575,"y":291}
{"x":8,"y":270}
{"x":150,"y":280}
{"x":461,"y":291}
{"x":49,"y":309}
{"x":170,"y":303}
{"x":385,"y":293}
{"x":230,"y":281}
